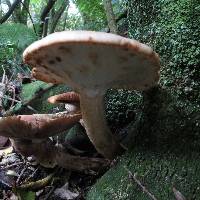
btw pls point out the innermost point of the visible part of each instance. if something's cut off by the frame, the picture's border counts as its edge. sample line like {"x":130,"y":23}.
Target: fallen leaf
{"x":6,"y":151}
{"x":64,"y":193}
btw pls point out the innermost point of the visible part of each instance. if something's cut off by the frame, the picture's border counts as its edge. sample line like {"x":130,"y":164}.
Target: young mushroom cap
{"x":37,"y":126}
{"x":67,"y":97}
{"x":91,"y":62}
{"x":70,"y":99}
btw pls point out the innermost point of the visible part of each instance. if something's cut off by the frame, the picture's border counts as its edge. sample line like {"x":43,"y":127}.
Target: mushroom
{"x":30,"y":136}
{"x":37,"y":126}
{"x":92,"y":62}
{"x":56,"y":155}
{"x":70,"y":99}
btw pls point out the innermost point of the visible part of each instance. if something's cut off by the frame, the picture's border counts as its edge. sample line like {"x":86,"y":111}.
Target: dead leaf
{"x":64,"y":193}
{"x":6,"y":151}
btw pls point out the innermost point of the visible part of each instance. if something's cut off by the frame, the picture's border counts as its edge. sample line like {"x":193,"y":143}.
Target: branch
{"x":10,"y":11}
{"x":120,"y":17}
{"x":26,"y":104}
{"x":110,"y":16}
{"x":29,"y":14}
{"x":58,"y":15}
{"x":24,"y":11}
{"x":44,"y":14}
{"x":144,"y":189}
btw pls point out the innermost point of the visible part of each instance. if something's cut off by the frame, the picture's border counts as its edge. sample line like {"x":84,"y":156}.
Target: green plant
{"x":172,"y":29}
{"x":93,"y":14}
{"x":14,"y":38}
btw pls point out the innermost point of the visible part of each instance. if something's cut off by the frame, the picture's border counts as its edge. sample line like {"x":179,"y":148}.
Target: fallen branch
{"x":57,"y":156}
{"x":144,"y":189}
{"x":38,"y":184}
{"x":178,"y":194}
{"x":27,"y":103}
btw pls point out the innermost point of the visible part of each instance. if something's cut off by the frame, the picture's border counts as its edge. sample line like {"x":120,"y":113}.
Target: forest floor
{"x":23,"y":178}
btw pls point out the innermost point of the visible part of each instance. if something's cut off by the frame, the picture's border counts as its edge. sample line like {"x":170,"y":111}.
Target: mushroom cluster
{"x":30,"y":134}
{"x":92,"y":62}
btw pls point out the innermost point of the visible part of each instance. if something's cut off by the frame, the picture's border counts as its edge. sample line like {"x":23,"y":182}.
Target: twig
{"x":22,"y":172}
{"x":27,"y":103}
{"x":32,"y":175}
{"x":4,"y":74}
{"x":27,"y":10}
{"x":50,"y":193}
{"x":32,"y":109}
{"x":38,"y":184}
{"x":178,"y":194}
{"x":11,"y":99}
{"x":144,"y":189}
{"x":12,"y":165}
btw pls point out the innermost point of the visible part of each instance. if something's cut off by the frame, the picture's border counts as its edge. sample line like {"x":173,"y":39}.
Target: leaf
{"x":26,"y":195}
{"x":65,"y":193}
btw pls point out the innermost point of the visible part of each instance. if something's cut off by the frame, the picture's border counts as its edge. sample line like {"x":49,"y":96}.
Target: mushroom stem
{"x":93,"y":115}
{"x":56,"y":155}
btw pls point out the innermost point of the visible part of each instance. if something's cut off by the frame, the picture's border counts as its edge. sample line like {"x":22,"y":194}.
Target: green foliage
{"x":40,"y":104}
{"x":74,"y":22}
{"x":29,"y":90}
{"x":165,"y":137}
{"x":172,"y":29}
{"x":119,"y":6}
{"x":121,"y":107}
{"x":93,"y":14}
{"x":16,"y":34}
{"x":14,"y":38}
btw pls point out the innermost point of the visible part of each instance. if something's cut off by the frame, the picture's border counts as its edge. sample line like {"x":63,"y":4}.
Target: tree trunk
{"x":58,"y":15}
{"x":10,"y":11}
{"x":24,"y":11}
{"x":44,"y":14}
{"x":65,"y":20}
{"x":1,"y":11}
{"x":110,"y":16}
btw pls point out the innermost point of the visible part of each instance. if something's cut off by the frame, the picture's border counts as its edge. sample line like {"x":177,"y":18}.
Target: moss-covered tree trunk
{"x":166,"y":144}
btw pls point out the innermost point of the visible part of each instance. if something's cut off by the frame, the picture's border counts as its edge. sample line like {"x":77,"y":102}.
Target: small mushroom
{"x":92,"y":62}
{"x":70,"y":99}
{"x":37,"y":126}
{"x":67,"y":97}
{"x":56,"y":155}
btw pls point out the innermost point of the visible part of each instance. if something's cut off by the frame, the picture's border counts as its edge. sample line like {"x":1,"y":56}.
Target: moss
{"x":165,"y":135}
{"x":28,"y":90}
{"x":158,"y":171}
{"x":121,"y":107}
{"x":40,"y":104}
{"x":171,"y":28}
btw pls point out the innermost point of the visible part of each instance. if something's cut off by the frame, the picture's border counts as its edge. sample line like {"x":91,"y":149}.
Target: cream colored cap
{"x":87,"y":60}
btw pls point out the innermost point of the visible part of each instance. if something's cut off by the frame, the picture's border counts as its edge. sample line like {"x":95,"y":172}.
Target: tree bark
{"x":110,"y":16}
{"x":65,"y":21}
{"x":24,"y":11}
{"x":58,"y":15}
{"x":17,"y":13}
{"x":44,"y":14}
{"x":10,"y":11}
{"x":1,"y":12}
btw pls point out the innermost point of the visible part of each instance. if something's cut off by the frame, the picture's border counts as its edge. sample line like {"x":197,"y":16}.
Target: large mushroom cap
{"x":94,"y":60}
